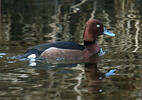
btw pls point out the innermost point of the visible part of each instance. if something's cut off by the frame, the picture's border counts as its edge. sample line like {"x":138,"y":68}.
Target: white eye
{"x":98,"y":25}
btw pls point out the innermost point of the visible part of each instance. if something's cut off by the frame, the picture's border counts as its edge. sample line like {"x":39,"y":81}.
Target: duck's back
{"x":59,"y":44}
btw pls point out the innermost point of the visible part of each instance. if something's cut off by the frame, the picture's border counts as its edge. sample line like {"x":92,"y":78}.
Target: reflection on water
{"x":26,"y":23}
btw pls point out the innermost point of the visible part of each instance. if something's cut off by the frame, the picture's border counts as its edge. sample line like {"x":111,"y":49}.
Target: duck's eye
{"x":98,"y":25}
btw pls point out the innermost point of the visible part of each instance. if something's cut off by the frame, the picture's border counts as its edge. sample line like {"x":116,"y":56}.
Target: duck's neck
{"x":87,"y":43}
{"x":92,"y":47}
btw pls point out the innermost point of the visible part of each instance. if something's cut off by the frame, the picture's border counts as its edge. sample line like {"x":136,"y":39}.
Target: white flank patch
{"x":32,"y":56}
{"x":32,"y":59}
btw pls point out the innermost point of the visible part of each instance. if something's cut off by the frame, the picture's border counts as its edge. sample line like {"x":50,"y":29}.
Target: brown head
{"x":93,"y":29}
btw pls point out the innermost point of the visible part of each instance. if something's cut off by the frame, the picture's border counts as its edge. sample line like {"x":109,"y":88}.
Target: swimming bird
{"x":67,"y":50}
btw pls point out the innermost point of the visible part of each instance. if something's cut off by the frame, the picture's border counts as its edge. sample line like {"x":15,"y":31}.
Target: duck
{"x":68,"y":50}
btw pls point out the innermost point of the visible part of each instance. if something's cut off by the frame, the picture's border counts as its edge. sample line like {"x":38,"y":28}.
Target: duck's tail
{"x":30,"y":53}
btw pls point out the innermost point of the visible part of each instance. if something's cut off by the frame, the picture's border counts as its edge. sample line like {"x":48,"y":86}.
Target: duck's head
{"x":93,"y":29}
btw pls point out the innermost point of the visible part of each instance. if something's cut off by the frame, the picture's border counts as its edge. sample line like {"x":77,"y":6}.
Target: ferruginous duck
{"x":66,"y":50}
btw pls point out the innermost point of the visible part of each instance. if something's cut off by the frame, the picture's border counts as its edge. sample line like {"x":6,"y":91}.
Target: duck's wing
{"x":60,"y":44}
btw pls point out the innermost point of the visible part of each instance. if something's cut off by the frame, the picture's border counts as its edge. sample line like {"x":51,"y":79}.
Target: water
{"x":26,"y":23}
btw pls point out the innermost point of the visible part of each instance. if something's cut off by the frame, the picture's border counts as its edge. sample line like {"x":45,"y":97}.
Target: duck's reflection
{"x":93,"y":77}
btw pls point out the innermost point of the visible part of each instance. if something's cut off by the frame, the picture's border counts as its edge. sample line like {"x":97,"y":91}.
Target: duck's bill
{"x":106,"y":32}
